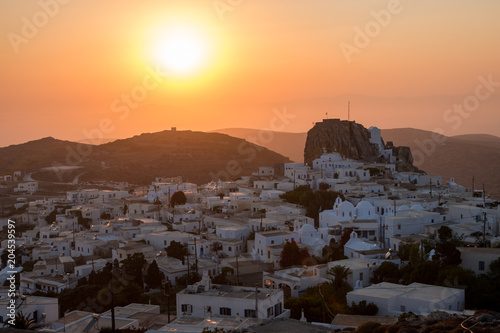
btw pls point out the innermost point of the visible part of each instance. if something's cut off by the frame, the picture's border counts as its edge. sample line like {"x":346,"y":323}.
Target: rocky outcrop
{"x":404,"y":158}
{"x":348,"y":138}
{"x":351,"y":140}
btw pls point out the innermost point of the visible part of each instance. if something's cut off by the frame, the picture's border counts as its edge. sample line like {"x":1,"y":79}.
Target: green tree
{"x":425,"y":272}
{"x":23,"y":321}
{"x":314,"y":202}
{"x":222,"y":277}
{"x":188,"y":279}
{"x":177,"y":250}
{"x":51,"y":218}
{"x":447,"y":253}
{"x":415,"y":254}
{"x":295,"y":195}
{"x":340,"y":274}
{"x":495,"y":269}
{"x":133,"y":265}
{"x":153,"y":276}
{"x":323,"y":186}
{"x":293,"y":255}
{"x":178,"y":198}
{"x":404,"y":251}
{"x":445,"y":233}
{"x":387,"y":272}
{"x":106,"y":216}
{"x":363,"y":309}
{"x":346,"y":235}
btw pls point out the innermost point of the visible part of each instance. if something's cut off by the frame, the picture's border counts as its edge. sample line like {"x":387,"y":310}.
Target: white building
{"x":44,"y":310}
{"x":361,"y":270}
{"x":478,"y":259}
{"x":395,"y":299}
{"x":267,"y":239}
{"x":167,"y":188}
{"x":295,"y":280}
{"x":28,"y":187}
{"x":203,"y":300}
{"x":355,"y":245}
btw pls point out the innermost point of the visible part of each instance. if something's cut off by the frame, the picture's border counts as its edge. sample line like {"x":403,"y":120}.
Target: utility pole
{"x":195,"y":256}
{"x":74,"y":239}
{"x":113,"y":329}
{"x":421,"y":251}
{"x":237,"y":272}
{"x":484,"y":197}
{"x":166,"y":290}
{"x":294,"y":179}
{"x":484,"y":229}
{"x":256,"y":301}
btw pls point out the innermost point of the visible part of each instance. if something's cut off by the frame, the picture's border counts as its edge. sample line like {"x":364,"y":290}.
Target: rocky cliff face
{"x":352,"y":141}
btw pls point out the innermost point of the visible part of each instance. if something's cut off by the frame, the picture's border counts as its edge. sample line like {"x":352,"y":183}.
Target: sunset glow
{"x":181,"y":50}
{"x":400,"y":64}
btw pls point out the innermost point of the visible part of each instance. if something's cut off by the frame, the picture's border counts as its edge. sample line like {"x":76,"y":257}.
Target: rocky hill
{"x":197,"y":156}
{"x":287,"y":144}
{"x":351,"y":140}
{"x":460,"y":157}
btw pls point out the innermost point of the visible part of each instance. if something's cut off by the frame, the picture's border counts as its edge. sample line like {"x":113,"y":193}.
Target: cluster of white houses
{"x":245,"y":224}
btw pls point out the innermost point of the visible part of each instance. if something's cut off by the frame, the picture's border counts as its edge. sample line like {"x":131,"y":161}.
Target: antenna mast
{"x":349,"y":110}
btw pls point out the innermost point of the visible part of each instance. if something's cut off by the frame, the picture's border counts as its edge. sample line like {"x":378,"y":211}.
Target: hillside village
{"x":333,"y":244}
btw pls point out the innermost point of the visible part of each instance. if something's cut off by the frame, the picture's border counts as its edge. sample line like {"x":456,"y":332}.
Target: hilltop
{"x":453,"y":156}
{"x":196,"y":156}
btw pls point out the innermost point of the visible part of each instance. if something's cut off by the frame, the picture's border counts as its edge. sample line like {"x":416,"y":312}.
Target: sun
{"x":181,"y":51}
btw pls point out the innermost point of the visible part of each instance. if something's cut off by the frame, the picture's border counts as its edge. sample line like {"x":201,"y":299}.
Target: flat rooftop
{"x":227,"y":291}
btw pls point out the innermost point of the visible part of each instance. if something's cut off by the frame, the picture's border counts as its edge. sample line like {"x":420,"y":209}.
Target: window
{"x":403,"y":308}
{"x":268,"y":254}
{"x":229,"y":248}
{"x":187,"y":308}
{"x":270,"y":312}
{"x":481,"y":265}
{"x":278,"y":309}
{"x":272,"y":242}
{"x":361,"y":276}
{"x":399,"y":226}
{"x":249,"y":313}
{"x":225,"y":311}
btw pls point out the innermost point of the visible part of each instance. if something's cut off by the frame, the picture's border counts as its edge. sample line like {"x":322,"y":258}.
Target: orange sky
{"x":66,"y":77}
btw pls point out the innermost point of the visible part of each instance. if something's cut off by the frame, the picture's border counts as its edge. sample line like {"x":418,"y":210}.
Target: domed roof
{"x":307,"y":228}
{"x":417,"y":207}
{"x":404,"y":207}
{"x":346,"y":206}
{"x":365,"y":205}
{"x":328,"y":213}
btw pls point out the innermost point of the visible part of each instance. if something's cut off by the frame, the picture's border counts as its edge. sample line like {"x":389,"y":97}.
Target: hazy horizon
{"x":111,"y":139}
{"x":70,"y":65}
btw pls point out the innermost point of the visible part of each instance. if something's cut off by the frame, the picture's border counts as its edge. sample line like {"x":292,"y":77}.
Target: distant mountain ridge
{"x":197,"y":156}
{"x":460,"y":156}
